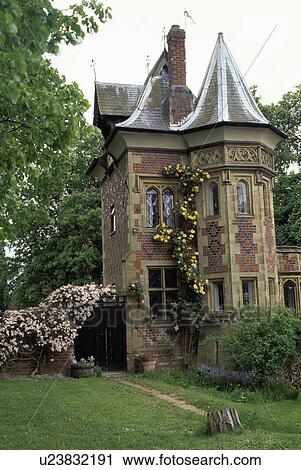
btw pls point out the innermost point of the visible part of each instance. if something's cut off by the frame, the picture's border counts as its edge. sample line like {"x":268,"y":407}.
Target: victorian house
{"x":222,"y":131}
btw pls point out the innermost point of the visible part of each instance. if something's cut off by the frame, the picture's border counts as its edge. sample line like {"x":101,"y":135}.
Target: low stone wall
{"x":57,"y":363}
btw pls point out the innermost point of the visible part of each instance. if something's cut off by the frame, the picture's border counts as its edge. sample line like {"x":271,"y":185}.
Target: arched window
{"x":213,"y":199}
{"x":266,"y":200}
{"x":242,"y":194}
{"x":168,"y":208}
{"x":289,"y":290}
{"x":152,"y":207}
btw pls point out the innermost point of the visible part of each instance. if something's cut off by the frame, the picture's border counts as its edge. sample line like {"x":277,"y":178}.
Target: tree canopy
{"x":41,"y":116}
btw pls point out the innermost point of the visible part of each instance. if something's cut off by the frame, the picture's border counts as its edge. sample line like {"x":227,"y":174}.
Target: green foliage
{"x":286,"y":116}
{"x":288,"y":209}
{"x":4,"y":279}
{"x":66,"y":249}
{"x":261,"y":341}
{"x":279,"y":390}
{"x":41,"y":116}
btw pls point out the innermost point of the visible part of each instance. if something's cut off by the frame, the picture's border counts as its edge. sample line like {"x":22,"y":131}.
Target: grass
{"x":99,"y":413}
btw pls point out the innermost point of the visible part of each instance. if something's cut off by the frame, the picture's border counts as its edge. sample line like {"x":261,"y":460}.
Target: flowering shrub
{"x":53,"y":325}
{"x":182,"y":238}
{"x":136,"y":290}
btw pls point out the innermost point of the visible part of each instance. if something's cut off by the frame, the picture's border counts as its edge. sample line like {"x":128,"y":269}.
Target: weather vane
{"x":164,"y":37}
{"x":186,"y":15}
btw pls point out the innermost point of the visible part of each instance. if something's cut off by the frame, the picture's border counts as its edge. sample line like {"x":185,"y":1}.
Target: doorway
{"x":104,"y":337}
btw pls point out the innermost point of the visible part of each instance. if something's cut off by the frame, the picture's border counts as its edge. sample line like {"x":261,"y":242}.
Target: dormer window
{"x":242,"y":195}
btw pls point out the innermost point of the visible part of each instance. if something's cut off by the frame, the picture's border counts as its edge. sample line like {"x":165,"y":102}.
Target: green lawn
{"x":99,"y":413}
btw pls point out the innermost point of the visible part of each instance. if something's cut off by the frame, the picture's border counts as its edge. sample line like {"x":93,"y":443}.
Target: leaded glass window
{"x":168,"y":208}
{"x":152,"y":201}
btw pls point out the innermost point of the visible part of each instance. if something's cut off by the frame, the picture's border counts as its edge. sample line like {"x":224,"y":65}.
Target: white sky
{"x":135,"y":31}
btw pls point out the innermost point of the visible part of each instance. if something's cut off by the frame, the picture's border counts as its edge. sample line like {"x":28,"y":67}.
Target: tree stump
{"x":223,"y":420}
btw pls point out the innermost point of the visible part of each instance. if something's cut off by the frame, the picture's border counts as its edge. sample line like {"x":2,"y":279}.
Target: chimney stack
{"x":180,"y":98}
{"x":176,"y":56}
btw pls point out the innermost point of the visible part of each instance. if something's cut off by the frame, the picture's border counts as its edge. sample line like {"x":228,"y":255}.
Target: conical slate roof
{"x":224,"y":95}
{"x":150,"y":111}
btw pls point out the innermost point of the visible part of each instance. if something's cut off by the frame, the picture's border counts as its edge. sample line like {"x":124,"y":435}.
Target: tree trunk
{"x":223,"y":420}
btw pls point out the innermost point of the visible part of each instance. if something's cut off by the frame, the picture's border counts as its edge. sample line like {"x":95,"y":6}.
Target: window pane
{"x":171,"y":277}
{"x":156,"y":304}
{"x":152,"y":209}
{"x":155,"y":278}
{"x":113,"y":218}
{"x":171,"y":296}
{"x":289,"y":295}
{"x":214,"y":202}
{"x":242,"y":197}
{"x":168,"y":208}
{"x":248,"y":292}
{"x":218,"y":296}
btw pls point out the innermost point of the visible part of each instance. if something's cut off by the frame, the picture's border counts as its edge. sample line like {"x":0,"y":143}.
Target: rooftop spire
{"x":224,"y":95}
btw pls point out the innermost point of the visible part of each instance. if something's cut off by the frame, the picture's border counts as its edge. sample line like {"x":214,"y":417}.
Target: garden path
{"x":169,"y":398}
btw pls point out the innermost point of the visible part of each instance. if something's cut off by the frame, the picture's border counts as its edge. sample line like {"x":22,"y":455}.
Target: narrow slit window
{"x":242,"y":197}
{"x":168,"y":208}
{"x":214,"y":199}
{"x":266,"y":200}
{"x":152,"y":204}
{"x":113,"y":218}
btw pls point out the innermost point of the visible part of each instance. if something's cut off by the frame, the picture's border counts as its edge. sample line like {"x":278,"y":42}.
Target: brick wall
{"x":289,"y":260}
{"x":57,"y":363}
{"x":215,"y":249}
{"x":246,"y":259}
{"x":115,"y":191}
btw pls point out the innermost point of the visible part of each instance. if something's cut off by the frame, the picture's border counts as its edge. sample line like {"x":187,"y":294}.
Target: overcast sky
{"x":121,"y":46}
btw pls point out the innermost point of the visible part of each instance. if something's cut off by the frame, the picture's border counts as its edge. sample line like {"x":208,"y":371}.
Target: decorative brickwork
{"x":215,"y":248}
{"x":115,"y":191}
{"x":246,"y":259}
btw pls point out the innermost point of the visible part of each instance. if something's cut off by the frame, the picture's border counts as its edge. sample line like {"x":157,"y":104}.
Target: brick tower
{"x":222,"y":130}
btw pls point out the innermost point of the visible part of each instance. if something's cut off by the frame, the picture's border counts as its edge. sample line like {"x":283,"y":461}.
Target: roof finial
{"x":220,"y":35}
{"x":94,"y":69}
{"x":147,"y":63}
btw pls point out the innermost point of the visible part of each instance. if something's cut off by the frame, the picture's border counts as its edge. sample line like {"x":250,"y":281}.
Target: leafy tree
{"x":286,"y":116}
{"x":41,"y":116}
{"x":288,"y":209}
{"x":66,"y":249}
{"x":4,"y":279}
{"x":261,"y":342}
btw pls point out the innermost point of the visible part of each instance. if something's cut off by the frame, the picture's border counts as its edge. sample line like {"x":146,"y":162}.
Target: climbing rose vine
{"x":53,"y":325}
{"x":182,"y":237}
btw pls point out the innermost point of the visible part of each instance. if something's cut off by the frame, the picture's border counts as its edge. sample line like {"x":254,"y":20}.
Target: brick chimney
{"x":176,"y":56}
{"x":180,"y":98}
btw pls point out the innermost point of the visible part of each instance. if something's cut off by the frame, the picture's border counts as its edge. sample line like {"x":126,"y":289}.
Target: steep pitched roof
{"x":149,"y":112}
{"x":117,"y":99}
{"x":224,"y":95}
